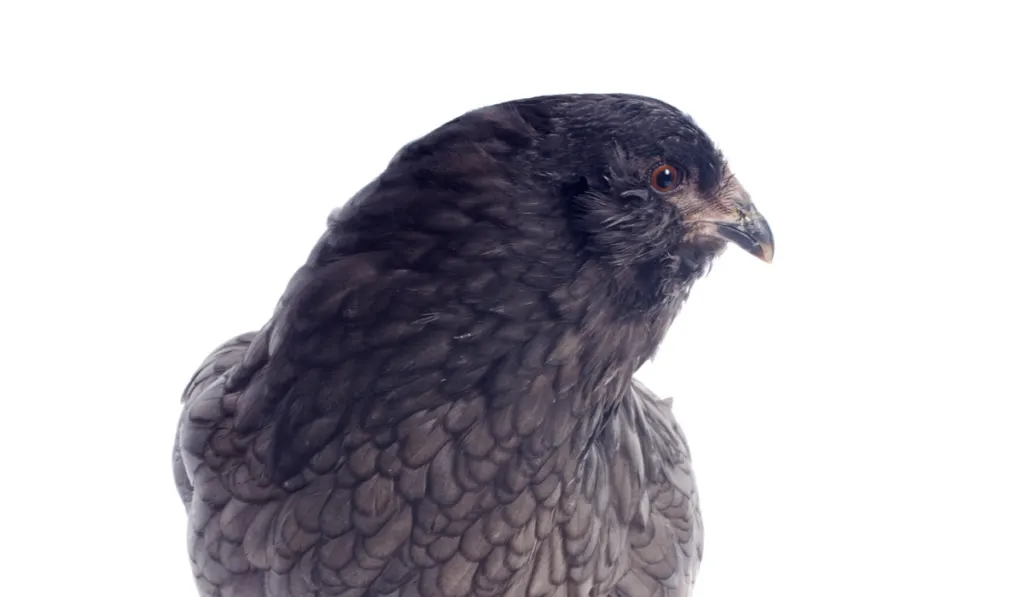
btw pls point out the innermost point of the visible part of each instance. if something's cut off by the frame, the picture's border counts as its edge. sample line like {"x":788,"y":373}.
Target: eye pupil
{"x":665,"y":178}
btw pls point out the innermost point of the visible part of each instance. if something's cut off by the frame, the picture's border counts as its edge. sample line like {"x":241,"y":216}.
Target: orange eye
{"x":664,"y":178}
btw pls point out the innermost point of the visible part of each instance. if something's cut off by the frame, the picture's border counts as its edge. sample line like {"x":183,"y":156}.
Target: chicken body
{"x":422,"y":513}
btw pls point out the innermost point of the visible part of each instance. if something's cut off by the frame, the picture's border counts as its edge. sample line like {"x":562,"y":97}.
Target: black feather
{"x":443,"y":401}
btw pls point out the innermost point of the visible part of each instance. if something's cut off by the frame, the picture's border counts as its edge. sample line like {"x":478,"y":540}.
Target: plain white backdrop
{"x":854,"y":409}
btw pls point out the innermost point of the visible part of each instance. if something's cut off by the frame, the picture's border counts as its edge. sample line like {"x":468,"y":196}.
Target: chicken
{"x":443,"y":403}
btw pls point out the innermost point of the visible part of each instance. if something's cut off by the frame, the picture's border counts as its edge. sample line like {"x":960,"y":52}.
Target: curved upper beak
{"x":750,"y":232}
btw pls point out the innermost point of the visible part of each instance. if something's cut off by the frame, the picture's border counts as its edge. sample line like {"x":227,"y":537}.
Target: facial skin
{"x":727,"y":215}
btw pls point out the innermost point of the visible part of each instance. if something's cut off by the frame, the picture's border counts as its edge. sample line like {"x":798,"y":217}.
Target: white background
{"x":854,"y":409}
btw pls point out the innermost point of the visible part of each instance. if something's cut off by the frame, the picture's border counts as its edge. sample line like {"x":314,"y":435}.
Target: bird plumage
{"x":443,"y":402}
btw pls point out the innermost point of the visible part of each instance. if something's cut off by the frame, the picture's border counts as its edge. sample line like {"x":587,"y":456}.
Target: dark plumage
{"x":443,"y":403}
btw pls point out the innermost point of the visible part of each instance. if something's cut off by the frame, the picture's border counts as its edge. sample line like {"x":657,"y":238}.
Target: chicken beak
{"x":750,"y":232}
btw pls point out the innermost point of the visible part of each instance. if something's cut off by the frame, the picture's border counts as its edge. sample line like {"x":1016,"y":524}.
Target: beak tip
{"x":751,"y":233}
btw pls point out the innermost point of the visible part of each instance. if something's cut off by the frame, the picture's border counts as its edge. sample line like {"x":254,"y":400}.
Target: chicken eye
{"x":664,"y":178}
